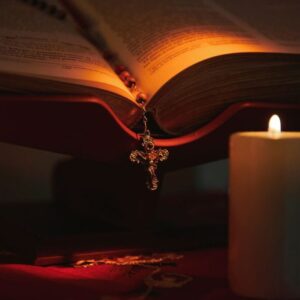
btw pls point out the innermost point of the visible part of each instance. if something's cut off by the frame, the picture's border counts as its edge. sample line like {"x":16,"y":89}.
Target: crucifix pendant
{"x":150,"y":158}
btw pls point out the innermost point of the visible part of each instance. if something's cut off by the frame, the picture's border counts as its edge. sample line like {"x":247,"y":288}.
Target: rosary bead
{"x":141,"y":98}
{"x":119,"y":69}
{"x":130,"y":82}
{"x":124,"y":75}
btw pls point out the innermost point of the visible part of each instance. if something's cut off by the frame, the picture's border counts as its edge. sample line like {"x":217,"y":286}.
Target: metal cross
{"x":150,"y":157}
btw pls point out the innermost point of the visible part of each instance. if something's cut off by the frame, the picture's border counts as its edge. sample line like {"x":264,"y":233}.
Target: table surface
{"x":194,"y":275}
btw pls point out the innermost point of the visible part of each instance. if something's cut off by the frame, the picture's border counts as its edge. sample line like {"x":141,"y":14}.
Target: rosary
{"x":149,"y":156}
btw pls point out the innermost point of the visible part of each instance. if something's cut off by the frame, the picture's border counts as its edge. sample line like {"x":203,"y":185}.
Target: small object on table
{"x":264,"y":213}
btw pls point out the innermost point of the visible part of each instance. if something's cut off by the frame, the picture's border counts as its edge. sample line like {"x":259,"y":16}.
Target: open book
{"x":191,"y":58}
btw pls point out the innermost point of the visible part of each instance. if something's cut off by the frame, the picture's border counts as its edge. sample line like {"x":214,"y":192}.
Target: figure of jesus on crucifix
{"x":150,"y":157}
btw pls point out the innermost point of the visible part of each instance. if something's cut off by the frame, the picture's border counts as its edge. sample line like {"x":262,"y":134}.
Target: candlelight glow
{"x":274,"y":125}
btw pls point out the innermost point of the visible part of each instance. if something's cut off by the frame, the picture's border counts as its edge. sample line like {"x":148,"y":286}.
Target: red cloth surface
{"x":208,"y":270}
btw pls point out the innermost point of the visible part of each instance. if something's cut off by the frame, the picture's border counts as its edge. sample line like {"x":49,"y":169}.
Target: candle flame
{"x":274,"y":125}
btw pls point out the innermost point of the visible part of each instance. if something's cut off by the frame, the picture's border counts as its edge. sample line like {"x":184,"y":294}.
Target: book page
{"x":36,"y":44}
{"x":159,"y":39}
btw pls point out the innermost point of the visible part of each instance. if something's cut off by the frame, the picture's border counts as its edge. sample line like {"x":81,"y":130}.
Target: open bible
{"x":190,"y":58}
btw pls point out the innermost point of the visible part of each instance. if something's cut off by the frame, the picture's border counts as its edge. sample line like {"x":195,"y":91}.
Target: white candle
{"x":264,"y":213}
